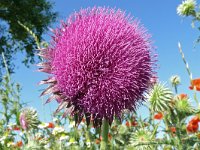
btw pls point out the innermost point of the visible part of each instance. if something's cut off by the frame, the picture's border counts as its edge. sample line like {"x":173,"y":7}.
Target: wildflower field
{"x":101,"y":69}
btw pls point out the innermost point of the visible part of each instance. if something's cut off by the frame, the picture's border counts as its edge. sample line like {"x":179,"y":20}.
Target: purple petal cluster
{"x":101,"y":62}
{"x":23,"y":122}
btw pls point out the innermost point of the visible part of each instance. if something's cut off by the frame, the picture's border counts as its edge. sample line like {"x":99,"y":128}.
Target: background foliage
{"x":37,"y":15}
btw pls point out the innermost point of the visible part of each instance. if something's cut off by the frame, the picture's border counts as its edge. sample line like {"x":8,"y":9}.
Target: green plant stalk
{"x":28,"y":135}
{"x":166,"y":125}
{"x":195,"y":96}
{"x":87,"y":133}
{"x":5,"y":63}
{"x":154,"y":143}
{"x":185,"y":62}
{"x":5,"y":107}
{"x":180,"y":144}
{"x":104,"y":134}
{"x":188,"y":70}
{"x":176,"y":89}
{"x":5,"y":103}
{"x":31,"y":33}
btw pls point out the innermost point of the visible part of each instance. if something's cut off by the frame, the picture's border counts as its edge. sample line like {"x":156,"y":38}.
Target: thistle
{"x":175,"y":81}
{"x":186,"y":8}
{"x":101,"y":62}
{"x":183,"y":105}
{"x":140,"y":138}
{"x":160,"y":97}
{"x":29,"y":118}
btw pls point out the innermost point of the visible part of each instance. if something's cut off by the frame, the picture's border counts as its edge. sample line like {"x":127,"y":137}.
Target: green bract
{"x":183,"y":105}
{"x":160,"y":97}
{"x":139,"y":139}
{"x":29,"y":118}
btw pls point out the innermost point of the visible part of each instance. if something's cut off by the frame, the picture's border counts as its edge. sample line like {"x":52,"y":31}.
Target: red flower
{"x":19,"y":144}
{"x":109,"y":136}
{"x":192,"y":128}
{"x":39,"y":138}
{"x":193,"y":124}
{"x":134,"y":123}
{"x":183,"y":96}
{"x":173,"y":129}
{"x":15,"y":128}
{"x":97,"y":141}
{"x":158,"y":116}
{"x":195,"y":120}
{"x":195,"y":84}
{"x":128,"y":124}
{"x":50,"y":125}
{"x":100,"y":138}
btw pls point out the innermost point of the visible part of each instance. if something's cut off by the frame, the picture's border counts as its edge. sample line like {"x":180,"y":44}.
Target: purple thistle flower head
{"x":101,"y":62}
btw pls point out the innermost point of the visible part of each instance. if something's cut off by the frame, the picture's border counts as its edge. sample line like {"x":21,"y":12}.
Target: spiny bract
{"x":160,"y":97}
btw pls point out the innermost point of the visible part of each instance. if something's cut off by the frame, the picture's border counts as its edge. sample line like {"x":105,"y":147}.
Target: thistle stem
{"x":104,"y":134}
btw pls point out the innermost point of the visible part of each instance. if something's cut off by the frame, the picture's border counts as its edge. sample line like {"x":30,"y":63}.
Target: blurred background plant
{"x":172,"y":123}
{"x":35,"y":14}
{"x":190,"y":8}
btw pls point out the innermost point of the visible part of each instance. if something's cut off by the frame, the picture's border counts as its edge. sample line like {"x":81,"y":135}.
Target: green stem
{"x":29,"y":139}
{"x":176,"y":89}
{"x":195,"y":96}
{"x":104,"y":134}
{"x":6,"y":66}
{"x":31,"y":33}
{"x":166,"y":125}
{"x":185,"y":62}
{"x":180,"y":143}
{"x":154,"y":143}
{"x":6,"y":115}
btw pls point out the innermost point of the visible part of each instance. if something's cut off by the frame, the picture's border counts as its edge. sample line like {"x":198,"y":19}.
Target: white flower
{"x":64,"y":137}
{"x":2,"y":140}
{"x":10,"y":144}
{"x":186,"y":8}
{"x":58,"y":130}
{"x":82,"y":124}
{"x":38,"y":135}
{"x":11,"y":125}
{"x":88,"y":143}
{"x":68,"y":144}
{"x":71,"y":124}
{"x":42,"y":125}
{"x":47,"y":146}
{"x":55,"y":120}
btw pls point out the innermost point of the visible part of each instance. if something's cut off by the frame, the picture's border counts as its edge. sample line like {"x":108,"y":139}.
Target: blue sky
{"x":161,"y":20}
